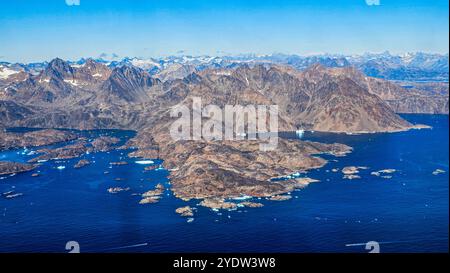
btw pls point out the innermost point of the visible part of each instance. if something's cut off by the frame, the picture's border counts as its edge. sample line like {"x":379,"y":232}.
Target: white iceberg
{"x":144,"y":162}
{"x":299,"y":133}
{"x":243,"y":197}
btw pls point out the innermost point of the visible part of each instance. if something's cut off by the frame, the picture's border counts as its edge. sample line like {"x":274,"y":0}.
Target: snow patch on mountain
{"x":5,"y":72}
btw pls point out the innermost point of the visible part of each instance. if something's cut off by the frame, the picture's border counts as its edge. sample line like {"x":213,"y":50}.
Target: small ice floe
{"x":299,"y":133}
{"x":438,"y":171}
{"x":190,"y":220}
{"x":385,"y":171}
{"x":41,"y":161}
{"x":31,"y":153}
{"x":243,"y":197}
{"x":7,"y":193}
{"x":144,"y":162}
{"x":11,"y":195}
{"x":61,"y":167}
{"x":2,"y":177}
{"x":160,"y":168}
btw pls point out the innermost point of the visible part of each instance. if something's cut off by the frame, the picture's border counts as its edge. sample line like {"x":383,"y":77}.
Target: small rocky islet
{"x":186,"y":211}
{"x":82,"y":163}
{"x":152,"y":196}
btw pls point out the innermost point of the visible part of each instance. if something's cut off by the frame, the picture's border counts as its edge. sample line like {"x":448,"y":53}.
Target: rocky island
{"x":152,"y":196}
{"x":7,"y":167}
{"x":81,"y":163}
{"x":185,"y":211}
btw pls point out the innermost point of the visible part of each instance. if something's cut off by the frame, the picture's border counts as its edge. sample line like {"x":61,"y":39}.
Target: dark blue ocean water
{"x":407,"y":213}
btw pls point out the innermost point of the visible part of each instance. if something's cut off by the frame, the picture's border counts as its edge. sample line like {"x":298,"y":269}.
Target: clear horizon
{"x":41,"y":31}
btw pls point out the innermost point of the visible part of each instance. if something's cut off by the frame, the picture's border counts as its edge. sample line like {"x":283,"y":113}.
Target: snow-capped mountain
{"x":7,"y":71}
{"x":417,"y":66}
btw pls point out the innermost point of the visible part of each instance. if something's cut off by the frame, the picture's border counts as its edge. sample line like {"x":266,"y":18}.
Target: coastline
{"x":317,"y":210}
{"x":263,"y":186}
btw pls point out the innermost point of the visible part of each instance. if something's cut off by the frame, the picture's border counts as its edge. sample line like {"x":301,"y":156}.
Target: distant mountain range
{"x":417,"y":66}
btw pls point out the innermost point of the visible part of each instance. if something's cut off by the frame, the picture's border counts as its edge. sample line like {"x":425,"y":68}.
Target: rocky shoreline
{"x":210,"y":172}
{"x":10,"y":140}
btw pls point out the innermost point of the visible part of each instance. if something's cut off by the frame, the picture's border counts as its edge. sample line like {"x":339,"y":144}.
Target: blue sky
{"x":41,"y":30}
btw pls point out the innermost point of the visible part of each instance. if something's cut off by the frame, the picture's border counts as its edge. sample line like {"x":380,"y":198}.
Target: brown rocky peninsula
{"x":74,"y":150}
{"x":104,"y":143}
{"x":216,"y":170}
{"x":7,"y":167}
{"x":9,"y":140}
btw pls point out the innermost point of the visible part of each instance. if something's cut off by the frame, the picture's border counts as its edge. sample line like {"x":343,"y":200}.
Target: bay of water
{"x":405,"y":213}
